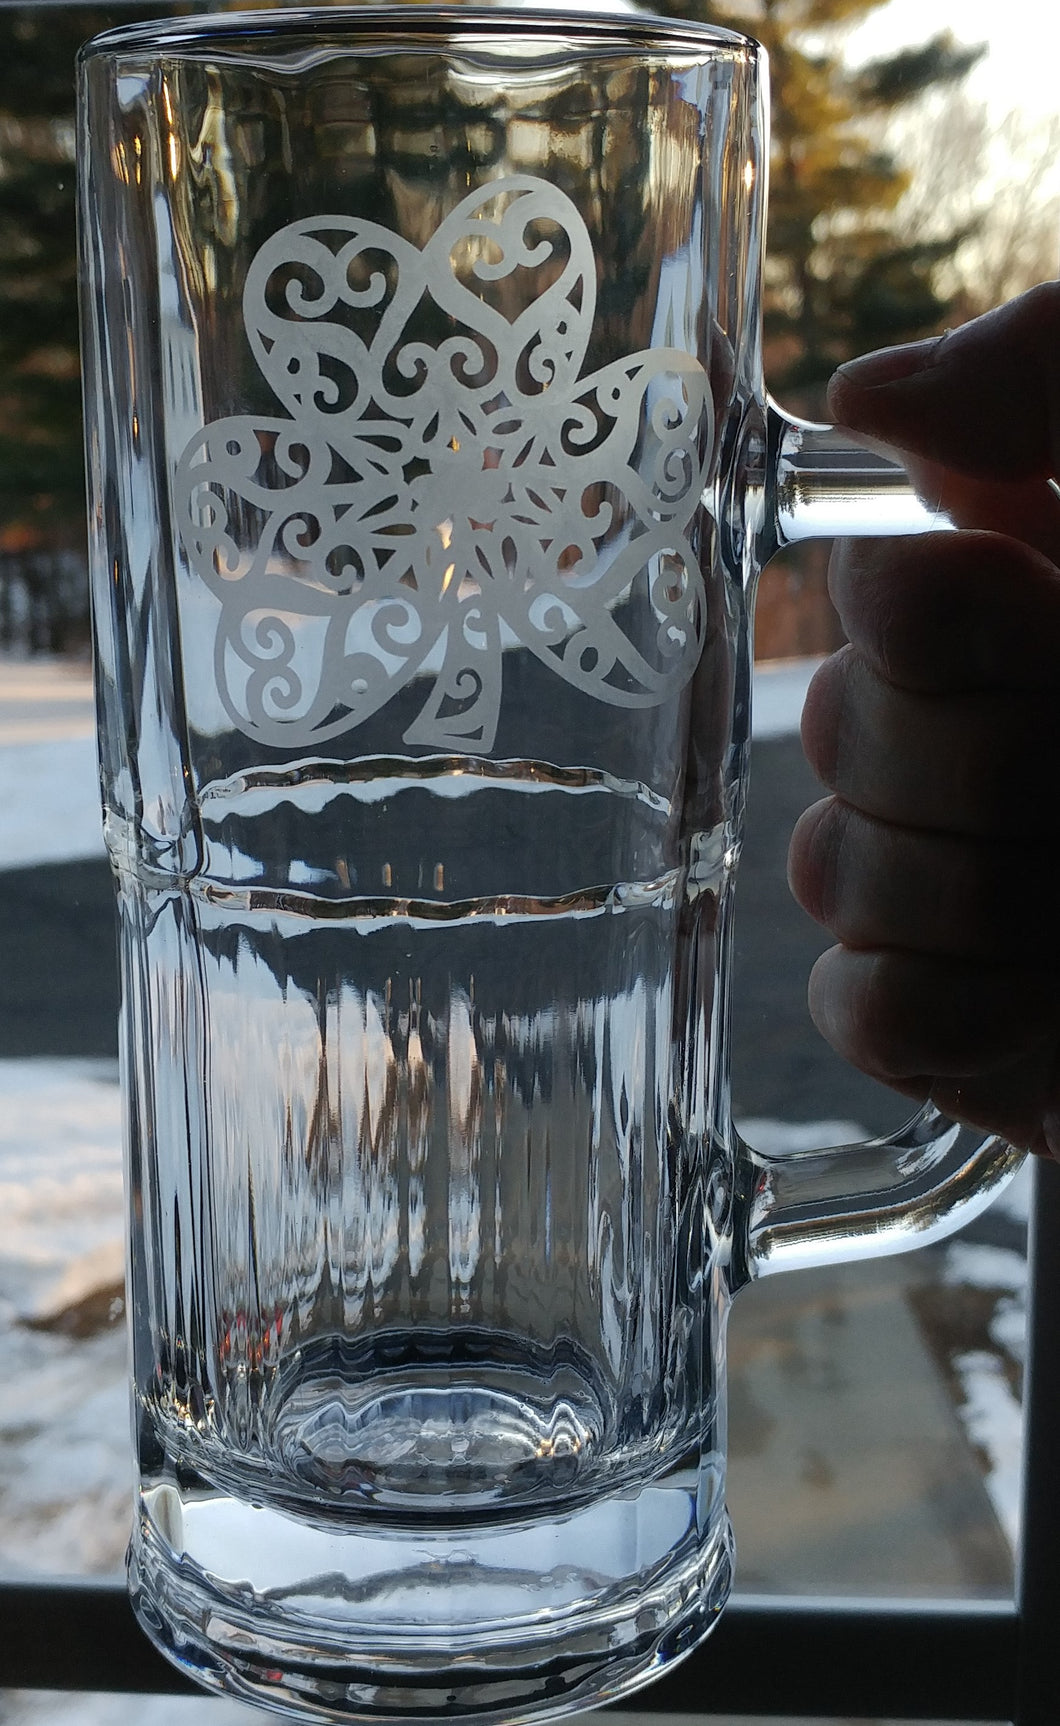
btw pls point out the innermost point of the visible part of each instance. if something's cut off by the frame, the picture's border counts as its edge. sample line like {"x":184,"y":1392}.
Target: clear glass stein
{"x":424,"y":806}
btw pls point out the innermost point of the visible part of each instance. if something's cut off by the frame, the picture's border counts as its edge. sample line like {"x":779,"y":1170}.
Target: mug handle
{"x":921,"y":1183}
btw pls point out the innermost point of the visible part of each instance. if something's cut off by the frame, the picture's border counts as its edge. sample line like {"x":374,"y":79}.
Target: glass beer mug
{"x":431,"y":472}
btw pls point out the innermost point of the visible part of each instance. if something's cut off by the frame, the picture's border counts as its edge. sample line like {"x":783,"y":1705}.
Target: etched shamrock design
{"x":444,"y":486}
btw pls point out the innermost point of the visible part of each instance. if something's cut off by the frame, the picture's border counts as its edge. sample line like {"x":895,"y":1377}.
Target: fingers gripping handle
{"x":923,"y":1182}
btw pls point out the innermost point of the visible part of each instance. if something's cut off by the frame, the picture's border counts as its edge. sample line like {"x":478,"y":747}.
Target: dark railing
{"x":768,"y":1656}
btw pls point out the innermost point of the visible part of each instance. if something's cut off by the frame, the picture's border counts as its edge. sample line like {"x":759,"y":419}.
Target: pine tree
{"x":40,"y":459}
{"x":43,"y":579}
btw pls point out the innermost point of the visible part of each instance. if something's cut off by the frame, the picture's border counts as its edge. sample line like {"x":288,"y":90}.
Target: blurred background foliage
{"x":884,"y":226}
{"x":842,"y":278}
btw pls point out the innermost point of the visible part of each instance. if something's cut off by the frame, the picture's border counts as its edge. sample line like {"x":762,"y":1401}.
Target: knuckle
{"x":821,"y":834}
{"x":822,"y":714}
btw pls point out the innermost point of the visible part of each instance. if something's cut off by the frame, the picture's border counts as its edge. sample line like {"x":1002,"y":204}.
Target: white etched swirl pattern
{"x":445,"y":483}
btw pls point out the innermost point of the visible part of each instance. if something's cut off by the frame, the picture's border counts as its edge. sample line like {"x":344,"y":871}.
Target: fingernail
{"x":889,"y":365}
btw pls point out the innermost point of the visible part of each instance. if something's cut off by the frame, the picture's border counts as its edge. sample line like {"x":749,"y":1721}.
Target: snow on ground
{"x":60,"y":1182}
{"x":991,"y":1417}
{"x":773,"y":1138}
{"x":49,"y":784}
{"x":49,"y":793}
{"x":780,"y":687}
{"x":52,"y":1708}
{"x":64,"y":1426}
{"x":990,"y":1410}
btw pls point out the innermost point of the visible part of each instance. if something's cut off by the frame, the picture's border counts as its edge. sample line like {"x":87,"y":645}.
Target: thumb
{"x":982,"y":400}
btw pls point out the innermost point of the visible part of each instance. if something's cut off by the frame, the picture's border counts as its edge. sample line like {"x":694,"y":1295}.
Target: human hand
{"x":936,"y":860}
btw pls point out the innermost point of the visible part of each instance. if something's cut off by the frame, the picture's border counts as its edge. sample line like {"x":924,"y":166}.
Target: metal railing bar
{"x":908,"y":1660}
{"x":1038,"y":1577}
{"x":78,"y":1636}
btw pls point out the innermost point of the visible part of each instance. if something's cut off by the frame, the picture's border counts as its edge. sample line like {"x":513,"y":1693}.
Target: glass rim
{"x":407,"y":24}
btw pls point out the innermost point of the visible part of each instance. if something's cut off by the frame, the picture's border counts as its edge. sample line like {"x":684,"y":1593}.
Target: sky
{"x":1020,"y":70}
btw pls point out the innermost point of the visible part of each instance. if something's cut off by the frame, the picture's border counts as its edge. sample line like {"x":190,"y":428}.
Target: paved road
{"x":58,"y":973}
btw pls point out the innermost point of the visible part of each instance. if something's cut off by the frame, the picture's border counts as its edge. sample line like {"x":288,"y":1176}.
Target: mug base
{"x":526,"y":1621}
